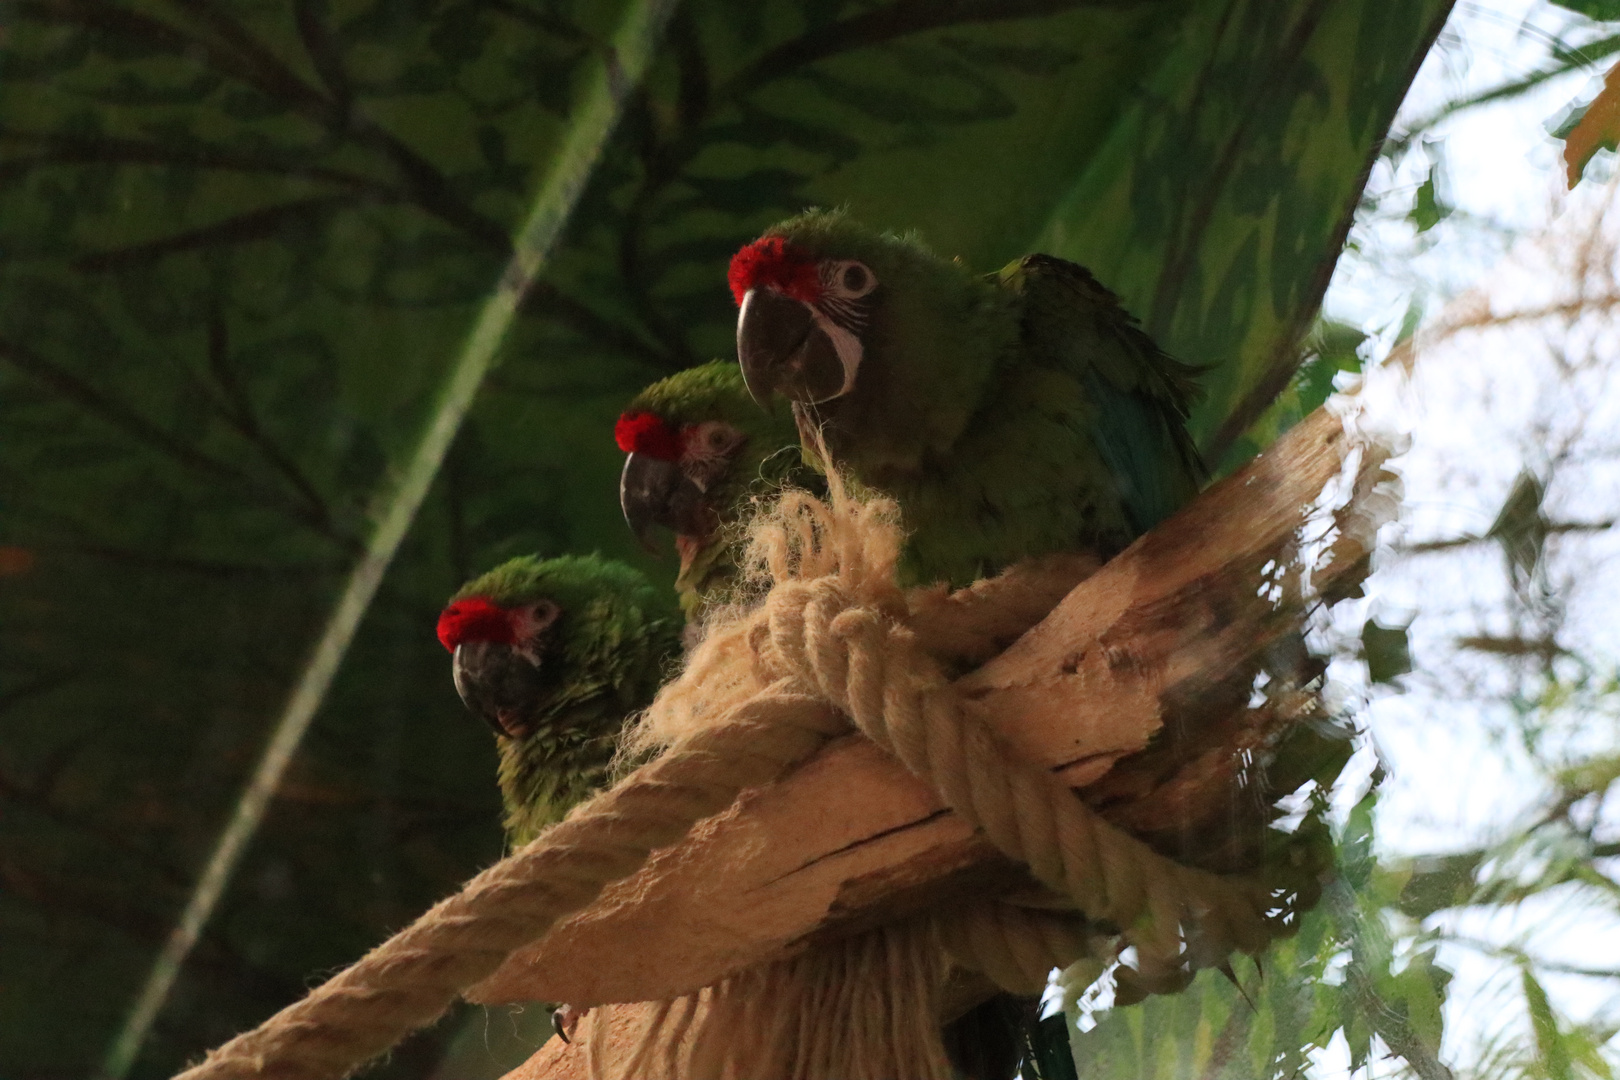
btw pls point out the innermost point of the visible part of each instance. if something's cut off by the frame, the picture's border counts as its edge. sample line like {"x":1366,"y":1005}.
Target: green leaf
{"x":1552,"y":1054}
{"x":1594,"y":775}
{"x":1601,"y":10}
{"x":1520,"y":528}
{"x":1417,"y":991}
{"x":1386,"y":650}
{"x":1330,"y":348}
{"x":1427,"y":209}
{"x":1221,"y":242}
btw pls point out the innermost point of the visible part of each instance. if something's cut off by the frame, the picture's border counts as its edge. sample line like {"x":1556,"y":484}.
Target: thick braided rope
{"x":867,"y":663}
{"x":408,"y":981}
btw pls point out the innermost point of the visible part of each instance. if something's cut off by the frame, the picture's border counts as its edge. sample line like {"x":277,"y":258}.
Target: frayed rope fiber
{"x":866,"y":1007}
{"x":831,"y":642}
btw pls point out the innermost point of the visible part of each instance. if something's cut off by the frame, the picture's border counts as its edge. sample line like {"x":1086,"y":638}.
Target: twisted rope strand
{"x":827,"y":637}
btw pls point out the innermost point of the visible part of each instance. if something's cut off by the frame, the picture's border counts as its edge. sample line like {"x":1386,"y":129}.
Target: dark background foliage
{"x":241,"y":242}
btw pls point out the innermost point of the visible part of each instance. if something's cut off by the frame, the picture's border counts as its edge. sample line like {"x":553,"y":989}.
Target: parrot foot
{"x":564,"y":1019}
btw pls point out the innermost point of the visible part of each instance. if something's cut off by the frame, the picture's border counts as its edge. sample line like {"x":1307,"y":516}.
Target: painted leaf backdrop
{"x":240,"y":241}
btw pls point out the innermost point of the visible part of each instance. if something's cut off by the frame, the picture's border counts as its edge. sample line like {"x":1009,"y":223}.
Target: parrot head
{"x":555,"y":654}
{"x":520,"y":635}
{"x":801,"y":319}
{"x":869,"y":334}
{"x":497,"y":656}
{"x":696,"y":446}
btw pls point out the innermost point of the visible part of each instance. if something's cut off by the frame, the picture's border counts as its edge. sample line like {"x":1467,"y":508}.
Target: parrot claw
{"x":564,"y":1019}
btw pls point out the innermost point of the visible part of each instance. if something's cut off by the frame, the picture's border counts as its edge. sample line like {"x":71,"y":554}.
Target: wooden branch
{"x":851,"y":839}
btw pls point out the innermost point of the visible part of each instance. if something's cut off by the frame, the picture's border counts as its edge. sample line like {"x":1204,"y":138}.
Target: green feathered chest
{"x":556,"y":766}
{"x":1026,"y":478}
{"x":568,"y":755}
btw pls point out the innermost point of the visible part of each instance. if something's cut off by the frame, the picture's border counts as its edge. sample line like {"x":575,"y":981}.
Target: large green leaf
{"x":244,"y":239}
{"x":1219,"y":203}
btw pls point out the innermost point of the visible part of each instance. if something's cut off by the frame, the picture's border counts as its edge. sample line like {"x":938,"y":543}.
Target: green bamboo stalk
{"x":616,"y":74}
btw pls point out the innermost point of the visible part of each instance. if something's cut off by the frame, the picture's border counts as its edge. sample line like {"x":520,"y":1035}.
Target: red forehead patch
{"x":647,"y":433}
{"x":772,"y":261}
{"x":474,"y":619}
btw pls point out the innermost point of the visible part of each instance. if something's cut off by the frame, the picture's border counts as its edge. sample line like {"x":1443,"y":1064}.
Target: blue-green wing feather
{"x":1140,"y":394}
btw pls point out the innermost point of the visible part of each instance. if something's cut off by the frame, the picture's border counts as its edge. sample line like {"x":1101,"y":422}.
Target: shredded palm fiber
{"x":793,"y":540}
{"x":864,"y":1008}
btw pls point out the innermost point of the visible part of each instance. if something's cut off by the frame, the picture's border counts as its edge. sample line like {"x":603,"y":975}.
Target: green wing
{"x":1142,"y":395}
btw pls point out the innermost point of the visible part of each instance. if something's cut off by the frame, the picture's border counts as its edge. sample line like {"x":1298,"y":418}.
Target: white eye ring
{"x":848,"y":279}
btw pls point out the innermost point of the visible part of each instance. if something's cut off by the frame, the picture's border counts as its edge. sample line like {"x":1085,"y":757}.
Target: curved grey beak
{"x":495,"y":684}
{"x":782,"y":350}
{"x":654,"y":493}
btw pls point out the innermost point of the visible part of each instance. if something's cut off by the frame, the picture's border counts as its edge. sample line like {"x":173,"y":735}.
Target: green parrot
{"x":698,"y":451}
{"x":555,"y":654}
{"x":1010,"y":415}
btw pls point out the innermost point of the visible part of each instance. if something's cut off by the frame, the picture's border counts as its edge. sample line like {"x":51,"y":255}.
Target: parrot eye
{"x":538,"y":619}
{"x":851,"y":280}
{"x":711,"y":440}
